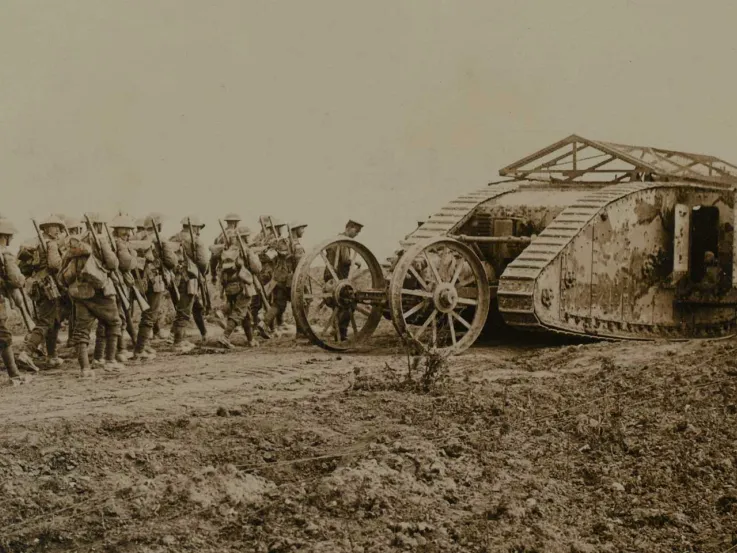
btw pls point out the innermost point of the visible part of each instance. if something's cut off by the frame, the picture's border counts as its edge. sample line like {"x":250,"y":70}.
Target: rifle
{"x":140,"y":300}
{"x":242,"y":248}
{"x":264,"y":228}
{"x":22,"y":302}
{"x":165,"y":273}
{"x":117,"y":279}
{"x":201,"y":282}
{"x":44,"y":248}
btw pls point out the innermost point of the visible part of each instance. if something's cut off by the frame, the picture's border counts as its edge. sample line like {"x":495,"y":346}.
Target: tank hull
{"x":604,"y":267}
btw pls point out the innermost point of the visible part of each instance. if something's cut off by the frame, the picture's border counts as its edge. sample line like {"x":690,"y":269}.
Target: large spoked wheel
{"x":338,"y":294}
{"x":439,"y":296}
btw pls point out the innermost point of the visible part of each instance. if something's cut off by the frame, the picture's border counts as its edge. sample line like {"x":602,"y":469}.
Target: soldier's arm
{"x":169,"y":255}
{"x":126,"y":257}
{"x":15,"y":278}
{"x":53,"y":256}
{"x":109,"y":259}
{"x":254,"y":263}
{"x":201,"y":255}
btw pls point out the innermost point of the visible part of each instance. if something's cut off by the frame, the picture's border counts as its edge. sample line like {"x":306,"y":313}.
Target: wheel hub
{"x":445,"y":297}
{"x":344,"y":293}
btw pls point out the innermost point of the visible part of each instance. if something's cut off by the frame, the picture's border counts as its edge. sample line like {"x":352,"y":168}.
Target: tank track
{"x":517,"y":284}
{"x":456,"y":212}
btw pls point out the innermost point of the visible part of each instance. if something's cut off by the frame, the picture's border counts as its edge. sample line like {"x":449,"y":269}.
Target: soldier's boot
{"x":54,"y":360}
{"x":180,"y":344}
{"x":25,"y":361}
{"x":111,"y":351}
{"x":121,"y":354}
{"x":248,"y":331}
{"x":199,"y":320}
{"x":9,"y":361}
{"x":98,"y":357}
{"x":157,"y":330}
{"x":142,"y":351}
{"x":269,"y":321}
{"x":224,"y":340}
{"x":84,"y":361}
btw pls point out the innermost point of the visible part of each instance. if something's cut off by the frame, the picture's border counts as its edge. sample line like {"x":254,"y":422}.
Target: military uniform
{"x":154,"y":282}
{"x":216,"y":249}
{"x":283,"y":274}
{"x":41,"y":268}
{"x":191,"y":259}
{"x":340,"y":258}
{"x":85,"y":272}
{"x":11,"y":284}
{"x":237,"y":277}
{"x":128,"y":262}
{"x":74,"y":228}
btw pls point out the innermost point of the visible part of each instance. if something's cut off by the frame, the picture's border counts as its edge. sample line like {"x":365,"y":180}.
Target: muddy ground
{"x":530,"y":446}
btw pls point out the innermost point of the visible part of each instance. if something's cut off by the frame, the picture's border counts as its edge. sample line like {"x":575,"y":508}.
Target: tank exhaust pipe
{"x":681,"y":241}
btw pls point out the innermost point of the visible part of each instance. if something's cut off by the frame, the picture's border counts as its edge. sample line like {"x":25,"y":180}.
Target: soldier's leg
{"x":198,"y":314}
{"x":183,"y":316}
{"x":105,"y":310}
{"x":6,"y":346}
{"x":70,"y":328}
{"x":98,"y":357}
{"x":281,"y":297}
{"x":233,"y":318}
{"x":46,"y":314}
{"x":83,"y":323}
{"x":247,"y":320}
{"x":146,"y":325}
{"x":344,"y":319}
{"x":52,"y":339}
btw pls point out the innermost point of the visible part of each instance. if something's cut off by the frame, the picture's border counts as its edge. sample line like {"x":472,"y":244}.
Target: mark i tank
{"x":584,"y":237}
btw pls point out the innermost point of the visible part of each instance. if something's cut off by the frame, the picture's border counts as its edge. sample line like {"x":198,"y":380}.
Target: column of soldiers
{"x":89,"y":274}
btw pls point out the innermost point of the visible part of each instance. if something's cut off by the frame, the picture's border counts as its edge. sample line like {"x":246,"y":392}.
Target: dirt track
{"x":595,"y":447}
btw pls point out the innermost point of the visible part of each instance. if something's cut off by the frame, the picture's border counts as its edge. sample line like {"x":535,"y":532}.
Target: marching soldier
{"x":154,"y":283}
{"x":289,"y":252}
{"x":41,"y":262}
{"x":192,"y":258}
{"x":140,"y":229}
{"x":237,"y":277}
{"x":231,"y":221}
{"x":11,"y":285}
{"x":128,"y":262}
{"x":74,"y":228}
{"x":85,"y":272}
{"x":298,"y":231}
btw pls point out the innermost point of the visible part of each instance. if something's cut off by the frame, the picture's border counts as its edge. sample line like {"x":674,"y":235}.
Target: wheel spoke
{"x":460,"y":319}
{"x":353,"y":323}
{"x":415,"y":309}
{"x":433,"y":268}
{"x":435,"y":332}
{"x":330,"y":321}
{"x":424,"y":326}
{"x":363,"y":310}
{"x":418,"y":277}
{"x":467,"y":301}
{"x":420,"y":293}
{"x":352,"y":257}
{"x":452,"y":329}
{"x":457,"y":273}
{"x":329,"y":266}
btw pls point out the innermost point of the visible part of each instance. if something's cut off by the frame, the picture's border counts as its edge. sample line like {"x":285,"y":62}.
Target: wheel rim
{"x":439,"y":296}
{"x":324,"y":294}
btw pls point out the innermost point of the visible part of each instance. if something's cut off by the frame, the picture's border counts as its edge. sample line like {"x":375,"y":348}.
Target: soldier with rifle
{"x":11,"y":290}
{"x":127,"y":281}
{"x":88,"y":270}
{"x":226,"y":236}
{"x":73,"y":228}
{"x":239,"y":269}
{"x":160,"y":259}
{"x":40,"y":262}
{"x":194,"y":296}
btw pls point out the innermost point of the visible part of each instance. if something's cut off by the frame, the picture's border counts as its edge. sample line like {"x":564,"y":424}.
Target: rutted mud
{"x":542,"y":447}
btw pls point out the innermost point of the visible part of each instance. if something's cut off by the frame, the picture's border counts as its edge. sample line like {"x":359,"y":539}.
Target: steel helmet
{"x":151,"y":220}
{"x":194,"y":220}
{"x":52,"y":220}
{"x":277,"y":223}
{"x":123,"y":221}
{"x":141,"y":223}
{"x":297,"y":224}
{"x":232,"y":217}
{"x":244,"y":231}
{"x":6,"y":227}
{"x":354,"y":223}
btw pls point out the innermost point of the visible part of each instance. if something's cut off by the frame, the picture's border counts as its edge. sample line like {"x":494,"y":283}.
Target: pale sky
{"x":326,"y":110}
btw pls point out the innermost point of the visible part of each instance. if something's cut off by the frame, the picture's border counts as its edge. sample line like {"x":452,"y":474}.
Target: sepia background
{"x":324,"y":110}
